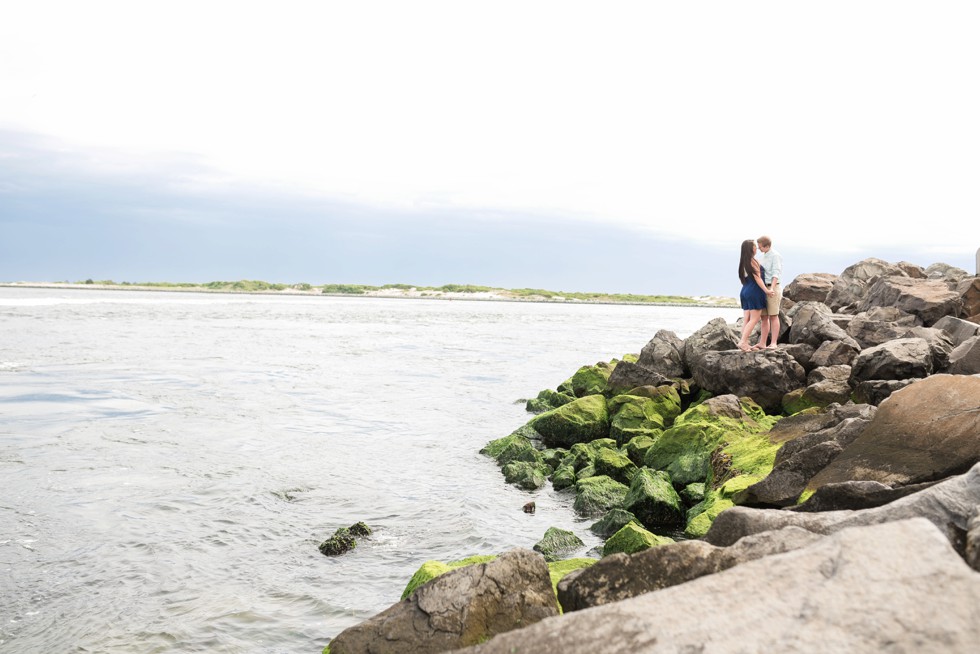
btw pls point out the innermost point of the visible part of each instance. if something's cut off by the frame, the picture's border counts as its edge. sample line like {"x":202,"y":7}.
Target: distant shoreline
{"x":494,"y":295}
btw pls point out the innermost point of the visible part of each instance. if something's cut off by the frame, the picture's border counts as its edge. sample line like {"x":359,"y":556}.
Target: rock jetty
{"x":820,"y":496}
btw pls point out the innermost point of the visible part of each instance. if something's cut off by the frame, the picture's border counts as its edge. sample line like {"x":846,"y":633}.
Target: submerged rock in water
{"x":344,"y":539}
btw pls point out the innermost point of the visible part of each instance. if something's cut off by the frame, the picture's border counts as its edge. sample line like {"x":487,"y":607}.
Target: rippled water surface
{"x":169,"y":462}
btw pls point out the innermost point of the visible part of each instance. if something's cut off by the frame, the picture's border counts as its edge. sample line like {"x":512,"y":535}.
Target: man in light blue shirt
{"x":772,"y":265}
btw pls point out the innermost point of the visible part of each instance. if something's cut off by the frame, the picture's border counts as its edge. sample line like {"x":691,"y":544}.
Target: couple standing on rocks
{"x":761,"y":294}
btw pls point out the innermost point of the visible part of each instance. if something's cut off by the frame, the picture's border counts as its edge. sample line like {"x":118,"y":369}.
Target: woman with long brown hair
{"x":754,"y":292}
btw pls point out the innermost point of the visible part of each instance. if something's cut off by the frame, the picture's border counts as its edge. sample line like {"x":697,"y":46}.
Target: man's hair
{"x":764,"y":241}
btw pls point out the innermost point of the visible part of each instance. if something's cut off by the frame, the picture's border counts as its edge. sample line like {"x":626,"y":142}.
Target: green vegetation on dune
{"x":530,"y":294}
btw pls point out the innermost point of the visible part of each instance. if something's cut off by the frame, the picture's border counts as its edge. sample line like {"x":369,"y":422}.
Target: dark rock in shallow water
{"x":344,"y":539}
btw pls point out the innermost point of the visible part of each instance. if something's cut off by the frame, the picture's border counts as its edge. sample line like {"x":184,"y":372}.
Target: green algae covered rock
{"x":548,"y":400}
{"x":653,"y":500}
{"x":633,"y":538}
{"x":684,"y":451}
{"x":693,"y":494}
{"x":525,"y":475}
{"x":667,"y":399}
{"x":591,"y":380}
{"x":556,"y":543}
{"x":797,"y":401}
{"x":558,"y":569}
{"x":702,"y":433}
{"x":432,"y":569}
{"x":553,"y":456}
{"x":614,"y":464}
{"x":633,"y":416}
{"x":344,"y":539}
{"x":595,"y":496}
{"x":586,"y":419}
{"x":613,"y":521}
{"x":636,"y":448}
{"x":341,"y":542}
{"x":563,"y":477}
{"x":507,"y":449}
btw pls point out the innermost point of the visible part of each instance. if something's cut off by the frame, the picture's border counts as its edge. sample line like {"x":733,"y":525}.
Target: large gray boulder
{"x":828,"y":385}
{"x":945,"y":272}
{"x":664,"y":354}
{"x":958,"y":329}
{"x":902,"y":358}
{"x":876,"y":391}
{"x":965,"y":359}
{"x":926,"y":431}
{"x":834,"y":353}
{"x":852,"y":284}
{"x":813,"y":324}
{"x":764,"y":375}
{"x":948,"y":505}
{"x":621,"y":576}
{"x":715,"y":336}
{"x":810,"y":287}
{"x":460,"y":608}
{"x":627,"y":375}
{"x":897,"y":587}
{"x":928,"y":299}
{"x":940,"y":344}
{"x":969,"y":292}
{"x":881,"y":324}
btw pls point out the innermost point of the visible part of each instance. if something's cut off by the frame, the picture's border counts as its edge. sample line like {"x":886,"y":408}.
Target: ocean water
{"x":169,"y":462}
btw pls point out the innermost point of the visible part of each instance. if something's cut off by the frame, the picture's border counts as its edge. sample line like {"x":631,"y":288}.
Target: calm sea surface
{"x":169,"y":462}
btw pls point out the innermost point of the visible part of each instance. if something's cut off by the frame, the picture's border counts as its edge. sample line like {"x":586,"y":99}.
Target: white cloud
{"x":830,"y":125}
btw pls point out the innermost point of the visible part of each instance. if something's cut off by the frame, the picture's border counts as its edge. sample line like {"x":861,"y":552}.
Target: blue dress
{"x":752,"y":296}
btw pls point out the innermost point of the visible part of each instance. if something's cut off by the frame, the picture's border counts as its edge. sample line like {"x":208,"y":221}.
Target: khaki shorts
{"x":772,"y":303}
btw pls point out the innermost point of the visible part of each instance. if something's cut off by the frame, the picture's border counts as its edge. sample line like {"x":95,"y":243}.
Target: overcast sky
{"x":615,"y":146}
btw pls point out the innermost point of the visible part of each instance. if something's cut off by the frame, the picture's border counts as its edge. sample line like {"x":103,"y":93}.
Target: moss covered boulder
{"x":563,"y":477}
{"x":633,"y":538}
{"x":613,"y":521}
{"x":653,"y":500}
{"x":586,"y":419}
{"x":614,"y":464}
{"x":633,"y":416}
{"x":557,"y":542}
{"x":636,"y":448}
{"x":548,"y":400}
{"x":706,"y":431}
{"x":559,"y":569}
{"x":684,"y":451}
{"x":594,"y":496}
{"x":667,"y":398}
{"x":511,"y":447}
{"x":527,"y":475}
{"x":591,"y":380}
